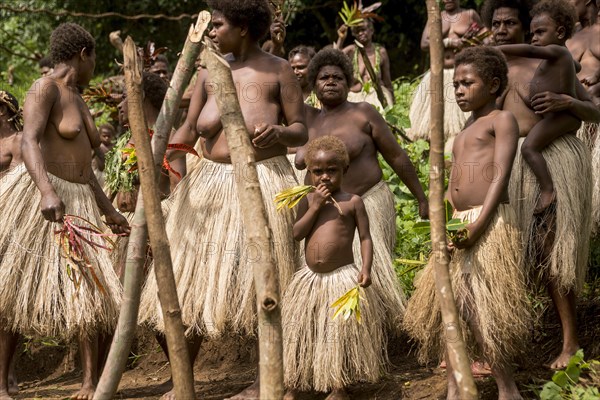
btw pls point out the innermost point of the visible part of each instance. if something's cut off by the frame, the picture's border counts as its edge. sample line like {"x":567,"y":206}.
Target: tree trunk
{"x":179,"y":358}
{"x":455,"y":346}
{"x":372,"y":74}
{"x":255,"y":224}
{"x":134,"y":277}
{"x":136,"y":250}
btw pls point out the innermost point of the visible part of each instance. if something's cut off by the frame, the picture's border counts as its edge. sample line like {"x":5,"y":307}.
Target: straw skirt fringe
{"x":587,"y":133}
{"x":36,"y":294}
{"x":324,"y":354}
{"x":300,"y":173}
{"x":379,"y":203}
{"x":212,"y":261}
{"x":420,"y":113}
{"x":596,"y":182}
{"x":570,"y":167}
{"x":488,"y":282}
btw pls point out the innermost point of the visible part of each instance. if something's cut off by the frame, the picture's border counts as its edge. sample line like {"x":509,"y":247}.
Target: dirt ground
{"x":228,"y":365}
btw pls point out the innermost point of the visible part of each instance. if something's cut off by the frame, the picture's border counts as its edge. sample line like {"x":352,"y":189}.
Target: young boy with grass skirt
{"x":38,"y":293}
{"x":322,"y":353}
{"x":486,"y":267}
{"x":11,"y":124}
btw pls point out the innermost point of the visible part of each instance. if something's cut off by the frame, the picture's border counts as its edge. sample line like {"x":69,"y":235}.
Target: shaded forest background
{"x":24,"y":35}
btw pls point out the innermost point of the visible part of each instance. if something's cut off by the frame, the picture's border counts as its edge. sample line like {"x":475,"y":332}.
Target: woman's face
{"x":331,"y":85}
{"x":225,"y":35}
{"x":506,"y":26}
{"x":87,"y":65}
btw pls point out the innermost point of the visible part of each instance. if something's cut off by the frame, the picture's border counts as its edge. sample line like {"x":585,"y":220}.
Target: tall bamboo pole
{"x":136,"y":250}
{"x":254,"y":218}
{"x":179,"y":358}
{"x":455,"y":346}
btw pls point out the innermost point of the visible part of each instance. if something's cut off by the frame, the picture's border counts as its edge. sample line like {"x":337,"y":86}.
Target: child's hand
{"x":321,"y":195}
{"x":590,"y":80}
{"x":474,"y":232}
{"x":364,"y":278}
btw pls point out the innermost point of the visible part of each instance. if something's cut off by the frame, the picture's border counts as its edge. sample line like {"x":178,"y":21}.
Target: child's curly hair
{"x":489,"y":63}
{"x":253,"y":14}
{"x":155,"y":89}
{"x":69,"y":39}
{"x":561,"y":11}
{"x":327,"y":143}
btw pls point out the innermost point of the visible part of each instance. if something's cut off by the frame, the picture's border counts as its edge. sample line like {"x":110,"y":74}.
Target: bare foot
{"x":85,"y":393}
{"x":170,"y":395}
{"x":13,"y":385}
{"x":338,"y":394}
{"x":290,"y":395}
{"x":563,"y":358}
{"x":4,"y":395}
{"x":252,"y":392}
{"x":480,"y":368}
{"x":510,"y":395}
{"x":453,"y":393}
{"x":544,"y":201}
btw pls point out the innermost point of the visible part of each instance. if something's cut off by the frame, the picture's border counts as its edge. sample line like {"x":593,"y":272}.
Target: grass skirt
{"x":36,"y":294}
{"x":570,"y":167}
{"x":379,"y":203}
{"x":324,"y":354}
{"x":300,"y":173}
{"x":420,"y":109}
{"x":211,"y":260}
{"x":488,"y":282}
{"x":587,"y":133}
{"x":596,"y":183}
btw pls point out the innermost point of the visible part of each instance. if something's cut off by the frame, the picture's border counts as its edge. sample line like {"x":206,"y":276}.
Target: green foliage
{"x":568,"y":384}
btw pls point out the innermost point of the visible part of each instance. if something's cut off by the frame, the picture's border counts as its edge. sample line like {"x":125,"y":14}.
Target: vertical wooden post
{"x":258,"y":234}
{"x":455,"y":346}
{"x":181,"y":368}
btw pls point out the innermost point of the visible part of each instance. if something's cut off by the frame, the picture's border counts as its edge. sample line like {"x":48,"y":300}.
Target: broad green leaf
{"x":560,"y":378}
{"x":551,"y":391}
{"x":455,"y":224}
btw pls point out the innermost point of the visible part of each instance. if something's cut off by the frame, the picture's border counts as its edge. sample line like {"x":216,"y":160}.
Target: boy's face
{"x":470,"y":90}
{"x":325,"y":168}
{"x":545,"y":31}
{"x":106,"y":136}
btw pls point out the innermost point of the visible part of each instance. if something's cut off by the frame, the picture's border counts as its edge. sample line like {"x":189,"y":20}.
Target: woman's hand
{"x":364,"y":278}
{"x":53,"y":209}
{"x":547,"y":102}
{"x":117,"y":223}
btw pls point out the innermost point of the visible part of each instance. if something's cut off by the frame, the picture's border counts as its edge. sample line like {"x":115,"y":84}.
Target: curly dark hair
{"x":254,"y":14}
{"x":329,"y":56}
{"x":327,"y":143}
{"x":307,"y":51}
{"x":69,"y":39}
{"x":45,"y":62}
{"x":155,"y":89}
{"x":489,"y":63}
{"x":523,"y":7}
{"x":561,"y":11}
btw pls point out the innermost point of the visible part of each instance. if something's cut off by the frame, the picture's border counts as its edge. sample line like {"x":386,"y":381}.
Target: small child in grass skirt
{"x":320,"y":353}
{"x":211,"y":261}
{"x":486,"y":268}
{"x":36,"y":292}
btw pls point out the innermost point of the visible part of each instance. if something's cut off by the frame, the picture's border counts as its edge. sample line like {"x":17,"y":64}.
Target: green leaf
{"x":551,"y":391}
{"x":573,"y":371}
{"x":422,"y":227}
{"x":456,"y":224}
{"x":560,"y":378}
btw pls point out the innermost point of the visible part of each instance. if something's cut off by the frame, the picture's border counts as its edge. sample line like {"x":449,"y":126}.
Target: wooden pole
{"x":181,"y":367}
{"x":126,"y":326}
{"x":254,"y":218}
{"x":372,"y":74}
{"x":455,"y":346}
{"x":136,"y":250}
{"x":181,"y":78}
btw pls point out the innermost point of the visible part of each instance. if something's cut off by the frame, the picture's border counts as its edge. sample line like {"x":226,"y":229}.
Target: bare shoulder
{"x":311,"y":113}
{"x":504,"y":122}
{"x":44,"y":87}
{"x":349,"y":49}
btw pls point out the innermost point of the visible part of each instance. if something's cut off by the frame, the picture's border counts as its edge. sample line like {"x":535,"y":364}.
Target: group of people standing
{"x":519,"y":224}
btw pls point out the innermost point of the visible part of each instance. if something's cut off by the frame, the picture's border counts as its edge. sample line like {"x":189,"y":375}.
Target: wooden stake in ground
{"x":136,"y":251}
{"x":455,"y":346}
{"x":179,"y":358}
{"x":254,"y":218}
{"x":372,"y":74}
